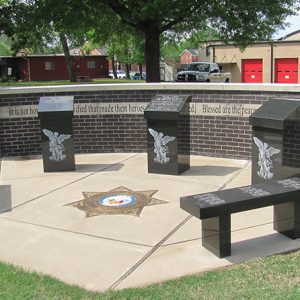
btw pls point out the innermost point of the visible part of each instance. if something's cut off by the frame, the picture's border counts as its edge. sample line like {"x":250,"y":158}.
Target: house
{"x":261,"y":62}
{"x":168,"y":70}
{"x":188,"y":56}
{"x":54,"y":67}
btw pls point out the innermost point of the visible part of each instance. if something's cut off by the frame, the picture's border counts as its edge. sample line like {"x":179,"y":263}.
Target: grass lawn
{"x":67,"y":82}
{"x":275,"y":277}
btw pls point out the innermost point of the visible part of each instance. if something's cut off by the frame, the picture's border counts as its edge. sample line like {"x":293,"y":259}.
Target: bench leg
{"x":216,"y":235}
{"x":287,"y":219}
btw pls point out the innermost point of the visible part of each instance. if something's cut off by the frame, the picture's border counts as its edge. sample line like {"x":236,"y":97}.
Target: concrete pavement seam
{"x":75,"y":232}
{"x":161,"y":242}
{"x":157,"y":246}
{"x":70,"y":183}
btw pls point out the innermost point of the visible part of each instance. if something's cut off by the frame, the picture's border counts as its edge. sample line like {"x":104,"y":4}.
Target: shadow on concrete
{"x":87,"y":168}
{"x":5,"y":198}
{"x":22,"y":158}
{"x":261,"y":246}
{"x":209,"y":170}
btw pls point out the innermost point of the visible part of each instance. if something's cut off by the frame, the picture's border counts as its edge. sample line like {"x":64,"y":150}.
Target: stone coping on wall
{"x":268,"y":87}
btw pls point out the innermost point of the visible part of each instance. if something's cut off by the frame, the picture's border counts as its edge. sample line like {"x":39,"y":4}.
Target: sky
{"x":294,"y":25}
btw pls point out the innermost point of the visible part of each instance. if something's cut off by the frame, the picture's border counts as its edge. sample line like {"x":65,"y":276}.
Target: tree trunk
{"x":152,"y":53}
{"x":141,"y":71}
{"x":127,"y":71}
{"x":113,"y":62}
{"x":68,"y":57}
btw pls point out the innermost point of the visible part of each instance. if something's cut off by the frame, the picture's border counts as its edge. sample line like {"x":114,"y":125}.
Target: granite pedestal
{"x":56,"y":115}
{"x":275,"y":148}
{"x":168,"y":134}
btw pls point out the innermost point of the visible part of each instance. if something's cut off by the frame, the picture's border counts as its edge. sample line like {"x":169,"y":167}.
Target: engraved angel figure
{"x":160,"y":148}
{"x":55,"y":144}
{"x":264,"y":158}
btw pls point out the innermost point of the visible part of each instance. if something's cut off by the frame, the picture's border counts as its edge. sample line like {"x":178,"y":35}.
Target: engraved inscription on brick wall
{"x":120,"y":108}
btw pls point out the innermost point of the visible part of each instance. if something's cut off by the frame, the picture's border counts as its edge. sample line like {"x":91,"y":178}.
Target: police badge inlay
{"x":119,"y":201}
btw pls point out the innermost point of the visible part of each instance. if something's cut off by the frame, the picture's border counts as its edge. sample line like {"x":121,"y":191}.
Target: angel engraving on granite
{"x":55,"y":144}
{"x":264,"y":158}
{"x":160,"y":148}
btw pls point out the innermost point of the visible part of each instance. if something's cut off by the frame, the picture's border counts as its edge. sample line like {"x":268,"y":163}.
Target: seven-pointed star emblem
{"x":116,"y":202}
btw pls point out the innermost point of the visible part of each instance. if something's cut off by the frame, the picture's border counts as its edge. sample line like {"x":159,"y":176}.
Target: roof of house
{"x":290,"y":36}
{"x":102,"y":51}
{"x":192,"y":51}
{"x":76,"y":51}
{"x":48,"y":56}
{"x":170,"y":62}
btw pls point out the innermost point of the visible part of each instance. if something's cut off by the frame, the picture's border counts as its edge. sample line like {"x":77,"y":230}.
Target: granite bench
{"x":215,"y":209}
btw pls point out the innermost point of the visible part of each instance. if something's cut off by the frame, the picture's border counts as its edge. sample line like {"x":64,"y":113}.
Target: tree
{"x":52,"y":20}
{"x":47,"y":21}
{"x":125,"y":47}
{"x":172,"y":49}
{"x":235,"y":20}
{"x":123,"y":42}
{"x":5,"y":45}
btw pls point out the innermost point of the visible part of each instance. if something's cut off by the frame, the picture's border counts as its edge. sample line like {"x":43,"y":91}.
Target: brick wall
{"x":223,"y":136}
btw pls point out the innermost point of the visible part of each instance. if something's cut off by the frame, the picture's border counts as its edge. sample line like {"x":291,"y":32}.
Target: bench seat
{"x":215,"y":209}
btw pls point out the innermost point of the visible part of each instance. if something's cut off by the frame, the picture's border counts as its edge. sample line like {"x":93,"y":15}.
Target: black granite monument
{"x":276,"y":149}
{"x":168,"y":134}
{"x":56,"y":115}
{"x":276,"y":140}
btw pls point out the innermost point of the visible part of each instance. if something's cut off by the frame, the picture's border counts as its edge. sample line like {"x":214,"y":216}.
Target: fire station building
{"x":261,"y":62}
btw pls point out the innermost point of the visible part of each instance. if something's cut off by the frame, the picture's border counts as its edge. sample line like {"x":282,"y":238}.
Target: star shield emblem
{"x":119,"y":201}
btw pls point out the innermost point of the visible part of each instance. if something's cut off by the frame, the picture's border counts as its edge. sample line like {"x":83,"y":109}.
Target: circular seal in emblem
{"x":117,"y":200}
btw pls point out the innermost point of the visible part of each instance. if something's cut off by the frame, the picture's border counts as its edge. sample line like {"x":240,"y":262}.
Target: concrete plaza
{"x":40,"y":232}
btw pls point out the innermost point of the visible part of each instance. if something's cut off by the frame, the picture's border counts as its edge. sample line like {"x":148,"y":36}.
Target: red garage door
{"x":286,"y":70}
{"x":252,"y":70}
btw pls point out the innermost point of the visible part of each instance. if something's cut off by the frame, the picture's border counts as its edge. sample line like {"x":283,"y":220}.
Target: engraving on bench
{"x":250,"y":190}
{"x":210,"y":199}
{"x":290,"y":183}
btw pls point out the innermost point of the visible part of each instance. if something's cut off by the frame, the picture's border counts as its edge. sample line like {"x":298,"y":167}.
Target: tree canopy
{"x":235,"y":20}
{"x":171,"y":49}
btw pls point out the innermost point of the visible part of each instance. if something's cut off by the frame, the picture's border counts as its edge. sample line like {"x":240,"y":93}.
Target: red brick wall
{"x":187,"y":58}
{"x":60,"y":72}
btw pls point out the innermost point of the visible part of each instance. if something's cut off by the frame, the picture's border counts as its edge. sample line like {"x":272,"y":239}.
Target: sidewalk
{"x":40,"y":232}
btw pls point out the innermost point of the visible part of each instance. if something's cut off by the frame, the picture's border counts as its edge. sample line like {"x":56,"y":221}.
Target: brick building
{"x":188,"y":56}
{"x":54,"y":67}
{"x":261,"y":62}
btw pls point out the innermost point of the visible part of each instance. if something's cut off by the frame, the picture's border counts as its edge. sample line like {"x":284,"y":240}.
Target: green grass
{"x":67,"y":82}
{"x":275,"y":277}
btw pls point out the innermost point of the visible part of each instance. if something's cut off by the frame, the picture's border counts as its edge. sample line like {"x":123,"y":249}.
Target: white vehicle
{"x":203,"y":72}
{"x":120,"y":74}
